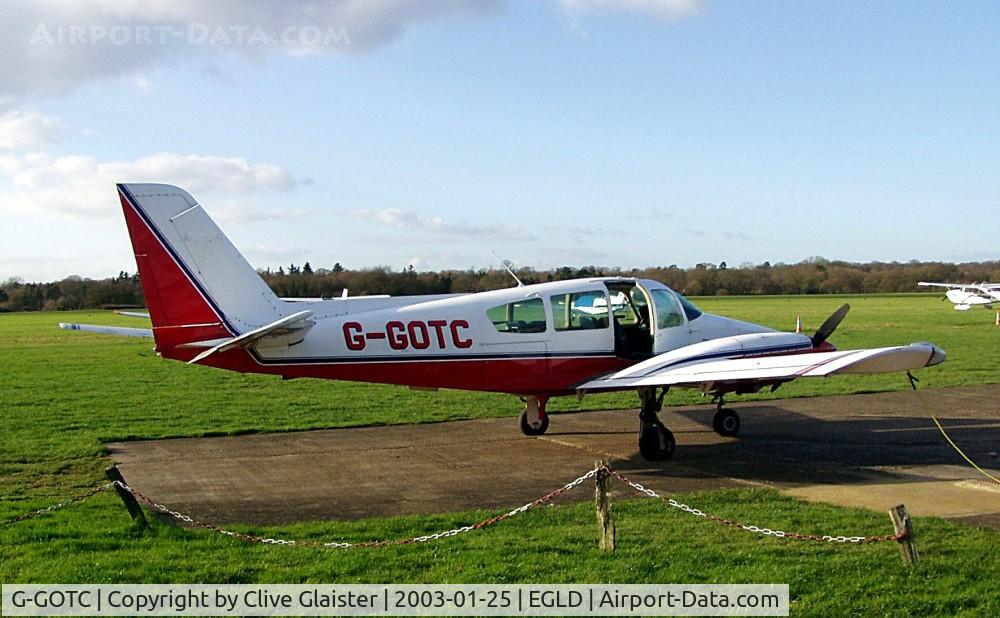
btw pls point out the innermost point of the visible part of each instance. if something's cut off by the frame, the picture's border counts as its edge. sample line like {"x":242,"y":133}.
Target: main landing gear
{"x":725,"y":422}
{"x":534,"y":420}
{"x":656,"y":443}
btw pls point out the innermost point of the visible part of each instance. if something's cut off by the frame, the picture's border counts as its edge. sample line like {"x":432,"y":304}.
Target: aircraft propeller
{"x":827,"y":327}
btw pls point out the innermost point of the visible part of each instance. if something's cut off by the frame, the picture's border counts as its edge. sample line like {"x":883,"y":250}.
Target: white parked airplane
{"x":967,"y":295}
{"x":208,"y":306}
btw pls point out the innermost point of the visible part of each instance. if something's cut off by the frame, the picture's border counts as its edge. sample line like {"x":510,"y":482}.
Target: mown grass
{"x":63,"y":394}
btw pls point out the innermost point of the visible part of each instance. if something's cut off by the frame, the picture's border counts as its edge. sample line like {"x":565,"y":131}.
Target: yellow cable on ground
{"x":964,"y":456}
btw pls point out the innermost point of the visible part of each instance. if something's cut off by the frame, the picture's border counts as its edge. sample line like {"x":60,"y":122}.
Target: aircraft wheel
{"x":528,"y":430}
{"x":726,"y":422}
{"x":656,"y":442}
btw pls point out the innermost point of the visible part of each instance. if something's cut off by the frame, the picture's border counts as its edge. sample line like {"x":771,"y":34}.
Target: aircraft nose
{"x":937,"y":354}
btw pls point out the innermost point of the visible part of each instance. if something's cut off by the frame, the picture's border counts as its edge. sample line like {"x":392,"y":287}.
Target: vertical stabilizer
{"x":197,"y":285}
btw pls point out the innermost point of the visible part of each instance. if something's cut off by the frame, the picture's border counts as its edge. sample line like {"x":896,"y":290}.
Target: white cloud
{"x":202,"y":173}
{"x":143,"y":85}
{"x":578,"y":231}
{"x":78,"y":186}
{"x":21,"y":130}
{"x":57,"y":46}
{"x":390,"y":216}
{"x":437,"y":227}
{"x":662,"y":9}
{"x":554,"y":257}
{"x":232,"y":211}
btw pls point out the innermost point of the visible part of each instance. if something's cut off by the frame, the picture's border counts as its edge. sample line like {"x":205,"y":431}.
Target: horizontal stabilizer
{"x":121,"y":331}
{"x":778,"y":368}
{"x":134,"y":314}
{"x":296,"y":321}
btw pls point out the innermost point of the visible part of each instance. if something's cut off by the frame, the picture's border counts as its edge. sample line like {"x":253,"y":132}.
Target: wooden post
{"x":904,"y":527}
{"x":131,"y":503}
{"x":602,"y":502}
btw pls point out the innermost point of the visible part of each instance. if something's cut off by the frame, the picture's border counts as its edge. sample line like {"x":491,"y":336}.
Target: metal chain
{"x":56,"y":507}
{"x":749,"y":528}
{"x":340,"y":545}
{"x":456,"y":531}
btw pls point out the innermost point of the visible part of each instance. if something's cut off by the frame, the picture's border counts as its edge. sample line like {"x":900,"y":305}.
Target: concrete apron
{"x":872,"y":451}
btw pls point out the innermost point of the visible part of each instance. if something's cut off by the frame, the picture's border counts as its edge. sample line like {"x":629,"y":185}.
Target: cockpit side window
{"x":523,"y":316}
{"x":580,"y":310}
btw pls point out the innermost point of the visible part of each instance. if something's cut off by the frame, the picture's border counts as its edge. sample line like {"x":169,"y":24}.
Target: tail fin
{"x":197,"y":285}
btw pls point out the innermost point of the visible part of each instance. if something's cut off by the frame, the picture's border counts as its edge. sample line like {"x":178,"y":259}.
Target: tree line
{"x":811,"y":276}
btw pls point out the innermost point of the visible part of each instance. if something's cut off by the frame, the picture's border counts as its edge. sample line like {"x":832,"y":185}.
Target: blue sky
{"x":610,"y":132}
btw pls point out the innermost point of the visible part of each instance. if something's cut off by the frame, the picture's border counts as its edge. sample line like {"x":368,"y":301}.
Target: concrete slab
{"x":861,"y":450}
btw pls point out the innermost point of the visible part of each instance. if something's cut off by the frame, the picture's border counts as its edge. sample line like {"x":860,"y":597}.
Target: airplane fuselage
{"x":535,"y":339}
{"x":964,"y":299}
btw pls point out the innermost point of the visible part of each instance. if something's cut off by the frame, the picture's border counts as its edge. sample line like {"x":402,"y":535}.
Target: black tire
{"x":656,"y":442}
{"x":528,"y":430}
{"x":726,"y":423}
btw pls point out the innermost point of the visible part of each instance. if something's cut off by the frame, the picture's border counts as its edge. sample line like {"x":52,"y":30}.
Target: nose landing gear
{"x":534,"y":420}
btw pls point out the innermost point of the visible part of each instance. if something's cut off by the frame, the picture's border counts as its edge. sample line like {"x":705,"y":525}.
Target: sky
{"x":624,"y":133}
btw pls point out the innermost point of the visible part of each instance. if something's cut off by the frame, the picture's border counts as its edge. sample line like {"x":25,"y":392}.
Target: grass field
{"x":64,"y":394}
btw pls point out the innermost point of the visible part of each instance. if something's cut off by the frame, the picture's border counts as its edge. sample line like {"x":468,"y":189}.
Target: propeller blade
{"x":826,"y":328}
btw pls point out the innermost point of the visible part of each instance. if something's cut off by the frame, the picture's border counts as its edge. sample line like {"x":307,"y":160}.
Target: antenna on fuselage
{"x":506,"y":266}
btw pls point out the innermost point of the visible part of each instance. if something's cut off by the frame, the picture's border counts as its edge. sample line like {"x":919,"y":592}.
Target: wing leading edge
{"x":775,"y":368}
{"x":985,"y":288}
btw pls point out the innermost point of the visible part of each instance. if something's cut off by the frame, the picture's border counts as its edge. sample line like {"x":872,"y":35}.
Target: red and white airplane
{"x":209,"y":306}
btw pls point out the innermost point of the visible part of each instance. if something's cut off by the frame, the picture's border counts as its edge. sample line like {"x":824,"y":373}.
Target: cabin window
{"x":580,"y":310}
{"x":523,"y":316}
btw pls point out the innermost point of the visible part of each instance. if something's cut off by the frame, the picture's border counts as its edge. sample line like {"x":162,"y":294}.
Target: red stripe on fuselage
{"x":535,"y":376}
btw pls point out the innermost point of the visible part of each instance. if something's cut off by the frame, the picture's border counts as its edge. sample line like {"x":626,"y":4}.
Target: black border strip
{"x":335,"y":360}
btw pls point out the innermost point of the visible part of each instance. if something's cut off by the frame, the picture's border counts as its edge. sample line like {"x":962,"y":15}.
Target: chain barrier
{"x":339,"y":545}
{"x":456,"y":531}
{"x":749,"y":528}
{"x":55,"y":507}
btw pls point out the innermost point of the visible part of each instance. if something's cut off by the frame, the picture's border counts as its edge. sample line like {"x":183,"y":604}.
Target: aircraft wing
{"x":771,"y":369}
{"x":121,"y":331}
{"x":134,"y":314}
{"x":984,"y":288}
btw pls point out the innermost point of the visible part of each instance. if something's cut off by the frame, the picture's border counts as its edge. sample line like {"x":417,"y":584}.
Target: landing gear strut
{"x":656,"y":443}
{"x":534,"y":420}
{"x":726,"y":422}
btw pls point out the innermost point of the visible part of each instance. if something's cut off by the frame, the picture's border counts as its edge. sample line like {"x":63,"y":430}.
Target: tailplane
{"x":198,"y":287}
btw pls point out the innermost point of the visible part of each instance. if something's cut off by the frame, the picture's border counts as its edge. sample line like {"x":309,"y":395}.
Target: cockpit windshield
{"x":668,"y":309}
{"x":690,"y":310}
